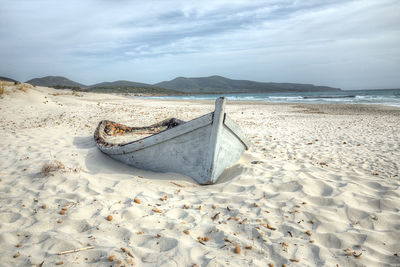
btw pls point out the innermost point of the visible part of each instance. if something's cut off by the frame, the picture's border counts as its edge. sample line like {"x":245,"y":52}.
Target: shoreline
{"x":331,"y":107}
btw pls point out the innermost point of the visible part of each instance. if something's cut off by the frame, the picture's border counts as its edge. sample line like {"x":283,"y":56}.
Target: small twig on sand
{"x":177,"y":184}
{"x":215,"y":216}
{"x":227,"y":240}
{"x":74,"y":250}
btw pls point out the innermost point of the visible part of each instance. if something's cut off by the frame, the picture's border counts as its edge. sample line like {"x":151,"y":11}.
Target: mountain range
{"x":219,"y":84}
{"x":212,"y":84}
{"x":65,"y":82}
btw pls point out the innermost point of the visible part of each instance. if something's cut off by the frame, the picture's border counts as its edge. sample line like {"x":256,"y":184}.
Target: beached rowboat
{"x":201,"y":148}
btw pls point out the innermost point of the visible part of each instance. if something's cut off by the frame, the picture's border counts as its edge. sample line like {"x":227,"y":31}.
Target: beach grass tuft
{"x":7,"y":87}
{"x":50,"y":167}
{"x":3,"y":88}
{"x":24,"y":87}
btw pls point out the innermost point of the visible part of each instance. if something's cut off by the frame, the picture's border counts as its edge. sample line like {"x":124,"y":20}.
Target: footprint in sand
{"x":316,"y":188}
{"x":133,"y":213}
{"x":176,"y":214}
{"x":9,"y":217}
{"x":163,"y":243}
{"x":289,"y":187}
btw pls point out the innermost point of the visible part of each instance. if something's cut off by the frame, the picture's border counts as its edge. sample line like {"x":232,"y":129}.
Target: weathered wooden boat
{"x":201,"y":148}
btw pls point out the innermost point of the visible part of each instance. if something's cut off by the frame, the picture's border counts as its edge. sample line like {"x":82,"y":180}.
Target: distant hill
{"x":219,"y":84}
{"x":128,"y":87}
{"x":58,"y":81}
{"x":8,"y":79}
{"x":121,"y":84}
{"x":212,"y":84}
{"x":148,"y":89}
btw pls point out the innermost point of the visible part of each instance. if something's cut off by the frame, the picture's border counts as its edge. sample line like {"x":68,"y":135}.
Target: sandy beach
{"x":320,"y":186}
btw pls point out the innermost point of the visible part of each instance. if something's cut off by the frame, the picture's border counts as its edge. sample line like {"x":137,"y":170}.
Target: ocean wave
{"x":285,"y":97}
{"x":381,"y":97}
{"x":329,"y":96}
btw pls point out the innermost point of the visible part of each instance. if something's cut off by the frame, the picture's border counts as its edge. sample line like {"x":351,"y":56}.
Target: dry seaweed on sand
{"x":50,"y":167}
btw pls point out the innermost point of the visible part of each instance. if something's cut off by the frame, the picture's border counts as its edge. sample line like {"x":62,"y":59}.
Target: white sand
{"x":347,"y":181}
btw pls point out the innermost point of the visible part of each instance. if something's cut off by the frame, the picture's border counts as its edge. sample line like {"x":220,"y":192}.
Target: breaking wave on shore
{"x":383,"y":97}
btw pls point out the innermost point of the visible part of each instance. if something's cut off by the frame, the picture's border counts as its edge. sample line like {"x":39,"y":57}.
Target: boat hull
{"x":201,"y":148}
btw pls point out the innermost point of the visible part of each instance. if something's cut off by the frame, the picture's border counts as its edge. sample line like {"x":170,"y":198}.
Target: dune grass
{"x":24,"y":87}
{"x":8,"y":87}
{"x":3,"y":85}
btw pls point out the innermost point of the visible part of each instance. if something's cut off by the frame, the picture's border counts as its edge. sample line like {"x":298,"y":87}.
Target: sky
{"x":346,"y":44}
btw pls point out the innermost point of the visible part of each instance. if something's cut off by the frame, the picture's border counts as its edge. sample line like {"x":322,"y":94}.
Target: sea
{"x":387,"y":97}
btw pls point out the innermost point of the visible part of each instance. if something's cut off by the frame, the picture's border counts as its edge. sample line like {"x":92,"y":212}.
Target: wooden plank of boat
{"x":201,"y":148}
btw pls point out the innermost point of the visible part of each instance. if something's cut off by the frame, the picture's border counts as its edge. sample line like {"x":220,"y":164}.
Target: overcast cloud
{"x":347,"y":44}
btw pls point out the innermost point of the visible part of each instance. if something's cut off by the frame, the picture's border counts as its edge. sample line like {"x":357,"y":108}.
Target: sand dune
{"x":320,"y":186}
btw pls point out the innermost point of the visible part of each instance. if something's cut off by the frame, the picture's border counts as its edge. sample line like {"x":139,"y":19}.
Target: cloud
{"x":322,"y":42}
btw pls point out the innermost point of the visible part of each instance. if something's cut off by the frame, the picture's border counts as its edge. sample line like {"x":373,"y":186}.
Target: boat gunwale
{"x":151,"y":140}
{"x":115,"y":149}
{"x":169,"y":133}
